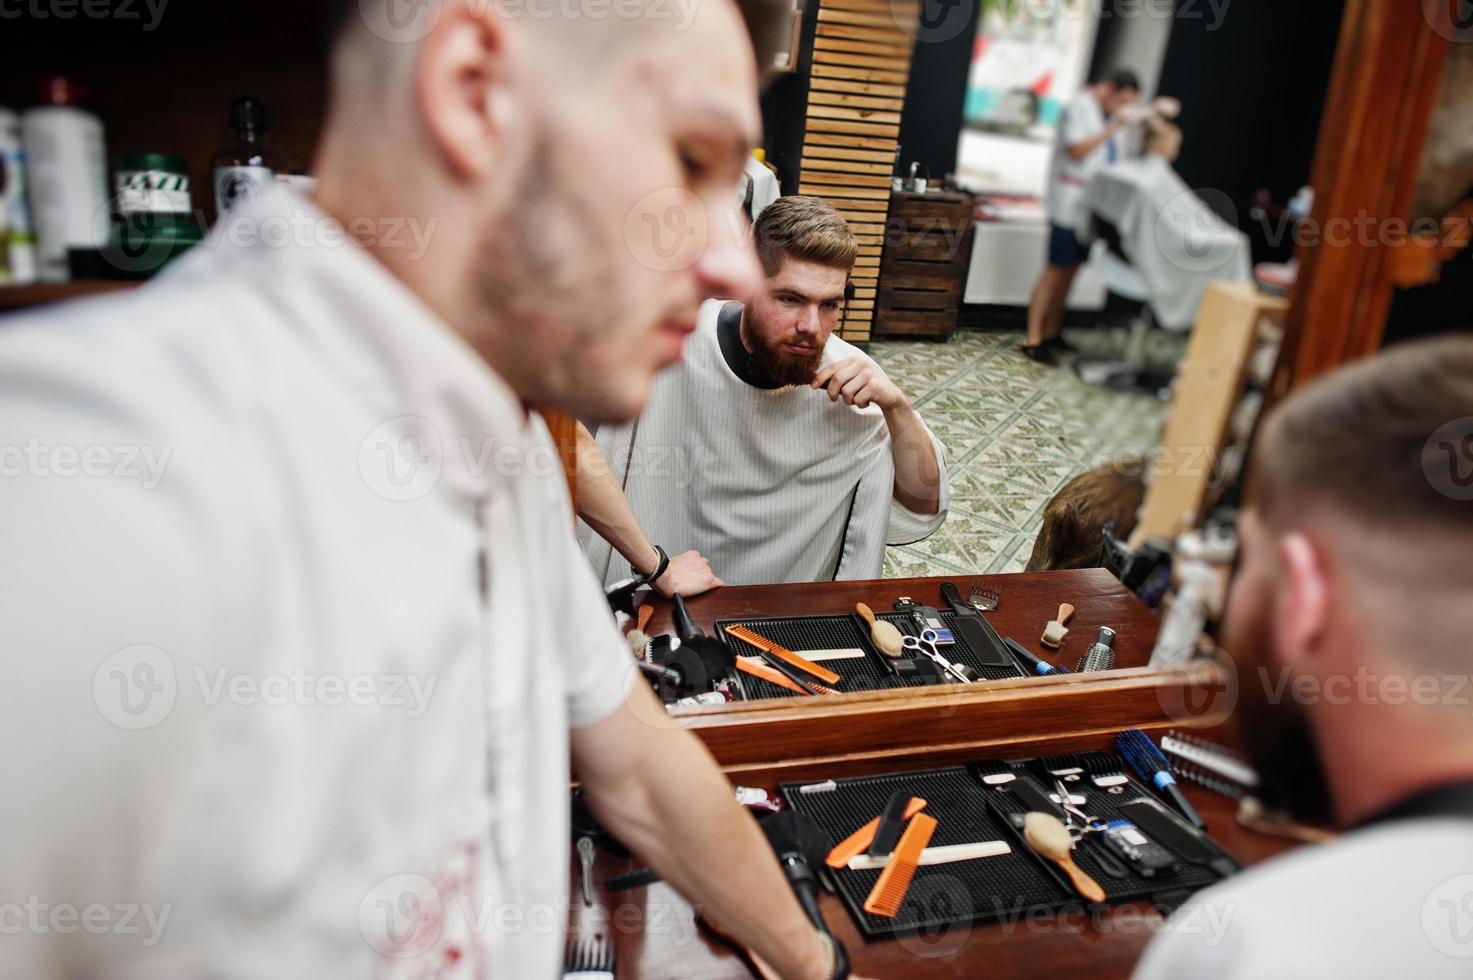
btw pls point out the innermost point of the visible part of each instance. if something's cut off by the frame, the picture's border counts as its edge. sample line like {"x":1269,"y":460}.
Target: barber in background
{"x":1085,"y":142}
{"x":309,"y":696}
{"x":1350,"y":621}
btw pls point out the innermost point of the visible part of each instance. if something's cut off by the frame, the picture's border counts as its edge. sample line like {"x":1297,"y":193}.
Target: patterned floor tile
{"x":1015,"y":431}
{"x":988,"y":495}
{"x":965,"y":545}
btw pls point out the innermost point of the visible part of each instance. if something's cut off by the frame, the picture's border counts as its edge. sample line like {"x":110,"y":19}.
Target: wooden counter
{"x":656,"y":939}
{"x":764,"y":743}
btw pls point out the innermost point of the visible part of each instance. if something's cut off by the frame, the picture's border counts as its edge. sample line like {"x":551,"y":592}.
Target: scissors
{"x":1076,"y":820}
{"x":925,"y":645}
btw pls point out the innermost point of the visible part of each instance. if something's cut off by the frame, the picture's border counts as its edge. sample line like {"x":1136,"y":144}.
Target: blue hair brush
{"x":1151,"y":765}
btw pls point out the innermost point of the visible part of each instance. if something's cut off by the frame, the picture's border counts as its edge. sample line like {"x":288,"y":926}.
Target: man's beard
{"x":778,"y":366}
{"x":1277,"y":737}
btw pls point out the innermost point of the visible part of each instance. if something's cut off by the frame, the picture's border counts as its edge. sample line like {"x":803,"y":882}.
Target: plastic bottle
{"x":17,"y":240}
{"x":66,"y":170}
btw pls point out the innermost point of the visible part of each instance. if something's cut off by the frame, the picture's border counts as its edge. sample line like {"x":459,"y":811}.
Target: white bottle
{"x":17,"y":240}
{"x":66,"y":167}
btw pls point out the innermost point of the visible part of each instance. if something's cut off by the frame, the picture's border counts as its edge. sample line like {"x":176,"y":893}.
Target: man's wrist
{"x":900,"y":405}
{"x":658,"y":567}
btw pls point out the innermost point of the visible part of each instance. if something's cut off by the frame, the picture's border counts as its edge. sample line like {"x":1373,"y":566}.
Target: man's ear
{"x":1302,"y":607}
{"x":461,"y":82}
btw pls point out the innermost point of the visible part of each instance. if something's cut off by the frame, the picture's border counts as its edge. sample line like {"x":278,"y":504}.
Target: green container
{"x":153,"y":221}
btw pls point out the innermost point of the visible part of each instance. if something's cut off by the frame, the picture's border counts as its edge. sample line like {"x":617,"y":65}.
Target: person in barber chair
{"x":775,"y":451}
{"x":1349,"y":620}
{"x":1086,"y":142}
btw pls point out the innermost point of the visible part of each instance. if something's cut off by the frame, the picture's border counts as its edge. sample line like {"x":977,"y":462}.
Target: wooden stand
{"x":1208,"y":387}
{"x":928,"y":246}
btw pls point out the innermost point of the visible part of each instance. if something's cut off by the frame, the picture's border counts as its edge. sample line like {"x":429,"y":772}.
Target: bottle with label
{"x":244,"y":166}
{"x":66,"y":172}
{"x":154,"y":222}
{"x":17,"y":243}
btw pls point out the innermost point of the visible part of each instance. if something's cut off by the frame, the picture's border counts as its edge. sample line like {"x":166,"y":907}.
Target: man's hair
{"x":1361,"y":441}
{"x":1124,"y":78}
{"x":806,"y":229}
{"x":1073,"y":531}
{"x":764,"y":19}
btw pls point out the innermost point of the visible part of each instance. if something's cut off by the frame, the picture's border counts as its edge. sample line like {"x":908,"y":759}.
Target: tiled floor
{"x":1015,"y":432}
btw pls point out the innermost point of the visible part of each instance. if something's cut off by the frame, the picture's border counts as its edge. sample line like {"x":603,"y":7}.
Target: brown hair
{"x":803,"y":228}
{"x":1072,"y":533}
{"x":1388,"y":440}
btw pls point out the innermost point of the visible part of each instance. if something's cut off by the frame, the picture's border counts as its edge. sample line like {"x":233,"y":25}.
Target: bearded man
{"x":1348,"y":623}
{"x":775,"y":452}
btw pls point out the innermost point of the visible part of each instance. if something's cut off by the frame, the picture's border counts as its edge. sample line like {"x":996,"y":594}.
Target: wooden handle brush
{"x":884,"y":635}
{"x":1047,"y":835}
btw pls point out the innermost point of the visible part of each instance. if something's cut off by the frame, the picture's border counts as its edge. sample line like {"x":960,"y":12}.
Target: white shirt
{"x":771,"y":485}
{"x":302,"y":684}
{"x":1390,"y":901}
{"x":1081,"y":119}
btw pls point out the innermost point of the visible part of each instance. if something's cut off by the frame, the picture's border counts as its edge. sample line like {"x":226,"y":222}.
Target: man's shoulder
{"x":1328,"y":904}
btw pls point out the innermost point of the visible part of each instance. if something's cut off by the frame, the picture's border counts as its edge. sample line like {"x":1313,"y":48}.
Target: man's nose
{"x":808,"y":321}
{"x":727,"y":267}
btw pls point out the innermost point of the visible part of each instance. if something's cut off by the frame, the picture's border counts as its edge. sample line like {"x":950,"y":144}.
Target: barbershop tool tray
{"x":1010,"y":888}
{"x":1038,"y":776}
{"x":871,"y":672}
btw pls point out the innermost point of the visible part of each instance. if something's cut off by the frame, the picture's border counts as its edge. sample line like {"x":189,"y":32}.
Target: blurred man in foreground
{"x":1349,"y":621}
{"x":309,"y":695}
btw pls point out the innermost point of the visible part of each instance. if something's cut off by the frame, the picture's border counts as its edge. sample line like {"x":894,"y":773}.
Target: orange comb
{"x":784,"y":654}
{"x":859,"y":841}
{"x":755,"y":667}
{"x":889,"y":892}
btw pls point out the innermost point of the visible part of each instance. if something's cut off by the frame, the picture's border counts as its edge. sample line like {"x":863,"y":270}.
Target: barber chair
{"x":1129,"y":372}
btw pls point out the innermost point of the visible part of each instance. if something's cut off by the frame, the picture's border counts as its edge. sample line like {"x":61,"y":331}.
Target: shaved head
{"x":580,"y":158}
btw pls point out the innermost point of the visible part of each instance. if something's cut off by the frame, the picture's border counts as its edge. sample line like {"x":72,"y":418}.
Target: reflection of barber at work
{"x":1155,"y":242}
{"x":1087,"y":142}
{"x":774,"y":449}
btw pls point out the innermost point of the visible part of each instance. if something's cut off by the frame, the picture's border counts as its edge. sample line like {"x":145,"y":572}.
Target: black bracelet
{"x":660,"y":566}
{"x":841,"y":958}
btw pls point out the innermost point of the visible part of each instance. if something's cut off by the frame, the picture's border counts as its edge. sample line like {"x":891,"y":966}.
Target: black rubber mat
{"x":1006,"y":799}
{"x":940,"y":895}
{"x":871,"y":672}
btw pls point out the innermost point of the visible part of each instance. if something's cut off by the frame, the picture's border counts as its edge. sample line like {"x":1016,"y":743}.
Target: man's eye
{"x":830,"y":305}
{"x":694,"y":168}
{"x":787,"y":301}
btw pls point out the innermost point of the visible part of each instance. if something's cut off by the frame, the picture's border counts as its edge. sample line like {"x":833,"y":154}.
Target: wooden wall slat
{"x":855,"y":101}
{"x":820,"y":124}
{"x":852,"y":73}
{"x":857,"y":84}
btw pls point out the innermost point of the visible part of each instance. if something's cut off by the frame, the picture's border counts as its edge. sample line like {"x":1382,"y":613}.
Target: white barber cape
{"x":1171,"y":236}
{"x":291,"y":652}
{"x":770,"y":484}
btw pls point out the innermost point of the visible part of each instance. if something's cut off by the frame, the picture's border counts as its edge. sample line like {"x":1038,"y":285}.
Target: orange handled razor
{"x":756,"y":668}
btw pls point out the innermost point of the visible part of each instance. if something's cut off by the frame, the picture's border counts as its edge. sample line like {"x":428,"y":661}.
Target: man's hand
{"x":860,"y":382}
{"x":689,"y":574}
{"x":655,"y":787}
